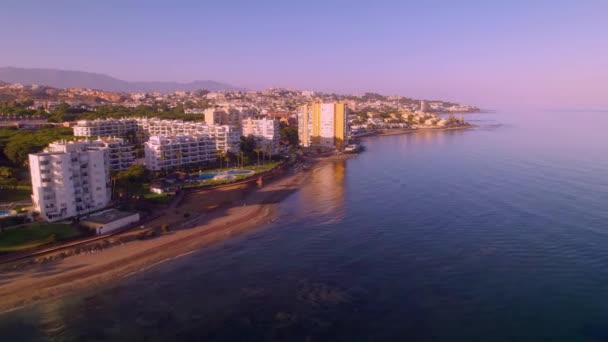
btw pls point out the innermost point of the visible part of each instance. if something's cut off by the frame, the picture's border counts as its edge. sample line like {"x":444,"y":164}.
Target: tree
{"x":8,"y":178}
{"x":16,"y":145}
{"x":289,"y":134}
{"x":134,"y":173}
{"x":220,"y":156}
{"x":227,"y":159}
{"x":133,"y":176}
{"x":247,"y":144}
{"x":242,"y":157}
{"x":257,"y":151}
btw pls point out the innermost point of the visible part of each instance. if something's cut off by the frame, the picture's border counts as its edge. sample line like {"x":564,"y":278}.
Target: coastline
{"x":237,"y":210}
{"x":398,"y":131}
{"x":232,"y":211}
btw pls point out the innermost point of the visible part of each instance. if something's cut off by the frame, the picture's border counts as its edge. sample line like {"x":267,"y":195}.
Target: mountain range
{"x":80,"y":79}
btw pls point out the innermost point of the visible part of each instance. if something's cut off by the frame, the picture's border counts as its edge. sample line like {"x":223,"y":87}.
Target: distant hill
{"x":80,"y":79}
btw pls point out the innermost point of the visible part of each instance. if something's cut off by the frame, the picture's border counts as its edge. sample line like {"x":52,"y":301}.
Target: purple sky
{"x":495,"y":54}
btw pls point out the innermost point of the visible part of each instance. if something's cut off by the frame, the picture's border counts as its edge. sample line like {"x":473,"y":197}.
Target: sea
{"x":496,"y":233}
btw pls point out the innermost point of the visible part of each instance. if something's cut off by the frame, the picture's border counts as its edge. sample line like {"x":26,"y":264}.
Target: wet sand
{"x":223,"y":214}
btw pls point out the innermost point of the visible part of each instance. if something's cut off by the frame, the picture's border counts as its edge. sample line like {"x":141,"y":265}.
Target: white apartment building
{"x":165,"y":153}
{"x":226,"y":137}
{"x":327,"y":124}
{"x":227,"y":115}
{"x":265,"y":131}
{"x":120,"y":155}
{"x":70,"y":179}
{"x":105,"y":127}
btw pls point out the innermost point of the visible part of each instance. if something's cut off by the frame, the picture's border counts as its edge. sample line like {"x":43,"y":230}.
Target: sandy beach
{"x":215,"y":216}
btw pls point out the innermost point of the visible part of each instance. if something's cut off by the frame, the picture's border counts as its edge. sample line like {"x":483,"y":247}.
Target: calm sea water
{"x":494,"y":234}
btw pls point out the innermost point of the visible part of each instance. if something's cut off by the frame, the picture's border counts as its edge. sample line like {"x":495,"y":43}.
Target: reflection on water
{"x":484,"y":235}
{"x":324,"y":196}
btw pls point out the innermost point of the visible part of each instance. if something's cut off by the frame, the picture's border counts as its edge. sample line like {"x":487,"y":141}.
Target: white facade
{"x":69,"y":179}
{"x":227,"y":115}
{"x":120,"y":155}
{"x":104,"y":128}
{"x":166,"y":153}
{"x":305,"y":126}
{"x":110,"y":220}
{"x":265,"y":131}
{"x":226,"y":137}
{"x":327,"y":125}
{"x":323,"y":124}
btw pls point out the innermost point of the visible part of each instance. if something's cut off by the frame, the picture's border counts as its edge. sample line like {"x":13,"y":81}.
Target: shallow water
{"x":494,"y":234}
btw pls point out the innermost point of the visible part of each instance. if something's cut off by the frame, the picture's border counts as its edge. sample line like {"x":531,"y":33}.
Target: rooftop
{"x":108,"y":216}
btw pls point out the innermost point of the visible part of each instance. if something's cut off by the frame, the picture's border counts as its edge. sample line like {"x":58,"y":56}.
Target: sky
{"x":494,"y":54}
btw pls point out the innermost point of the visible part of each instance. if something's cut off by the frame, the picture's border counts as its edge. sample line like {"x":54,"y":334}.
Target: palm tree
{"x":227,"y":160}
{"x":257,"y":151}
{"x":268,"y":151}
{"x":220,"y":156}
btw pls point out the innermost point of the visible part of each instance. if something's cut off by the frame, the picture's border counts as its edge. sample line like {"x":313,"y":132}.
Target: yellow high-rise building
{"x":323,"y":124}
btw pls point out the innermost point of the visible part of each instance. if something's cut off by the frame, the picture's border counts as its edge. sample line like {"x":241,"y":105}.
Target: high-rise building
{"x":323,"y":124}
{"x":424,"y":107}
{"x":70,"y":179}
{"x":265,"y":131}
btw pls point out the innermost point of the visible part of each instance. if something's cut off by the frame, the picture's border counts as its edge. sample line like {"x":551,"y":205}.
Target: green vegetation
{"x":131,"y":180}
{"x":11,"y":106}
{"x":13,"y":220}
{"x":13,"y":195}
{"x":158,"y":198}
{"x":64,"y":112}
{"x":289,"y":135}
{"x":15,"y":145}
{"x":35,"y":235}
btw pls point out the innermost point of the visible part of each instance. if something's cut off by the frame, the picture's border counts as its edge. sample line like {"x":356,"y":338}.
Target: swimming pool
{"x":6,"y":212}
{"x":230,"y":174}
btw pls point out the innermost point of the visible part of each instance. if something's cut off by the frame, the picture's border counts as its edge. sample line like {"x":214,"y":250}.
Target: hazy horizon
{"x":491,"y":55}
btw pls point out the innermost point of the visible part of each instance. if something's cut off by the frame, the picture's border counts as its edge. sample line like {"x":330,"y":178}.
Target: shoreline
{"x":235,"y":210}
{"x":398,"y":131}
{"x":241,"y":209}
